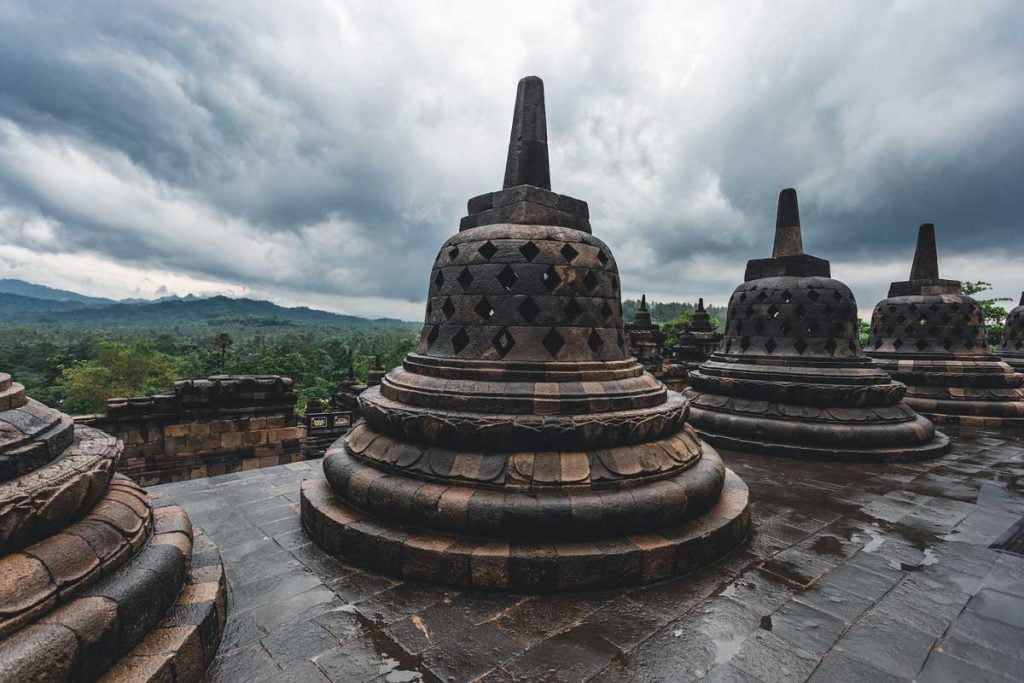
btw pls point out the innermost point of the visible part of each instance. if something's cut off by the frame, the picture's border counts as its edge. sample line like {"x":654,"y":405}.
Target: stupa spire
{"x":700,"y":305}
{"x":788,"y":241}
{"x":926,"y":260}
{"x":643,"y":302}
{"x":527,"y":162}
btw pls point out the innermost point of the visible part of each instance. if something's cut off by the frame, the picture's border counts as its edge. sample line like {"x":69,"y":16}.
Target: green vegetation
{"x":78,"y":367}
{"x":995,"y":315}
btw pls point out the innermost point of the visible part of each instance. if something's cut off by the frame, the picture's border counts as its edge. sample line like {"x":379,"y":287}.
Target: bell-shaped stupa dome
{"x":519,"y":447}
{"x":789,"y":377}
{"x":931,"y":336}
{"x":1012,"y":348}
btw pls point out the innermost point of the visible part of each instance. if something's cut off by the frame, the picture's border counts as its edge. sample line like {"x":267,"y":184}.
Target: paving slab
{"x":853,"y":572}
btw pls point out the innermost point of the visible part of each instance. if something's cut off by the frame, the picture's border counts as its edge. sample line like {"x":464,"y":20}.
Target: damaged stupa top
{"x":790,"y":378}
{"x":520,"y":446}
{"x":526,"y":197}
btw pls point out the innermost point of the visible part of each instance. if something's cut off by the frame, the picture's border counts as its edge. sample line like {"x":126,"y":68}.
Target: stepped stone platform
{"x":931,"y":336}
{"x":852,"y":573}
{"x":1012,"y":348}
{"x":95,"y":581}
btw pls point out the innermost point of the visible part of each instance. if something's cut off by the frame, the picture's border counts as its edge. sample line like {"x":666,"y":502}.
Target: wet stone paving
{"x":852,"y":573}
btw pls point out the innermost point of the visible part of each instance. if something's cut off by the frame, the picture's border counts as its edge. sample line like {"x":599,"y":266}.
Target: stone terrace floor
{"x":853,"y":573}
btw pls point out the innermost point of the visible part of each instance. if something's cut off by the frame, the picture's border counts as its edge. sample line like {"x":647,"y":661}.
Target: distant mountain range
{"x":25,"y":302}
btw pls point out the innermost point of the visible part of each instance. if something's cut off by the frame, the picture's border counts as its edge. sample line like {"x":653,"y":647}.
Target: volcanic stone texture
{"x":790,"y":378}
{"x":88,"y":568}
{"x":519,"y":447}
{"x":930,"y":336}
{"x":206,"y":427}
{"x":1012,"y":348}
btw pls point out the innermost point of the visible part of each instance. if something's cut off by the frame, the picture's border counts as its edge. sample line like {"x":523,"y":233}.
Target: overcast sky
{"x":318,"y":153}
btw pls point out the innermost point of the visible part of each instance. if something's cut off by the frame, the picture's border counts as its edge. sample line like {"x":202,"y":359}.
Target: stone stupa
{"x":789,"y":377}
{"x":1012,"y":348}
{"x":644,"y":338}
{"x":93,"y":579}
{"x":519,"y":447}
{"x":931,"y":336}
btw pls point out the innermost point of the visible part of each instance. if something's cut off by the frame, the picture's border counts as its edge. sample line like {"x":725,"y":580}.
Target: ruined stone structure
{"x":205,"y":427}
{"x":645,"y":339}
{"x":931,"y":336}
{"x":93,"y":578}
{"x":695,"y":344}
{"x":1012,"y":348}
{"x":790,"y":378}
{"x":519,"y":447}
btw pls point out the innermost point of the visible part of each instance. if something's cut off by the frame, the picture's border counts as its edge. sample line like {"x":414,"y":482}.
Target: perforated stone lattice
{"x":922,"y":324}
{"x":485,"y":294}
{"x":792,"y":317}
{"x":1013,"y":333}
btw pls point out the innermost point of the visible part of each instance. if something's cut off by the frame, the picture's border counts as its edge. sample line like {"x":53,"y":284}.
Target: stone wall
{"x":206,"y":427}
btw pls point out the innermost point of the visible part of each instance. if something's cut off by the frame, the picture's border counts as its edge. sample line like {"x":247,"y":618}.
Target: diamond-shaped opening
{"x":743,"y":296}
{"x":908,"y":330}
{"x":573,"y":310}
{"x":787,"y":296}
{"x":465,"y":278}
{"x":448,"y":308}
{"x":606,"y":310}
{"x":553,"y":342}
{"x":487,"y":250}
{"x":439,"y":279}
{"x":878,"y":343}
{"x":900,"y":319}
{"x":590,"y":281}
{"x":853,"y":347}
{"x":432,"y":335}
{"x":897,"y":343}
{"x":773,"y":311}
{"x":933,"y":308}
{"x":830,"y":346}
{"x":759,"y":327}
{"x":484,"y":309}
{"x":813,"y":327}
{"x":770,"y":345}
{"x":800,"y":346}
{"x":568,"y":253}
{"x":594,"y":341}
{"x":813,"y":295}
{"x":762,"y":296}
{"x":551,"y":279}
{"x":529,"y":251}
{"x":503,"y":342}
{"x":745,"y":343}
{"x":460,"y":340}
{"x":529,"y":309}
{"x":453,"y":253}
{"x":836,"y":295}
{"x":799,"y":310}
{"x":921,"y":344}
{"x":785,"y":327}
{"x":923,"y":320}
{"x":620,"y":343}
{"x":507,"y":278}
{"x":602,"y":257}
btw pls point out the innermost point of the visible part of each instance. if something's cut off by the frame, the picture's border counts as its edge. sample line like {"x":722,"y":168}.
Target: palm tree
{"x":222,"y":341}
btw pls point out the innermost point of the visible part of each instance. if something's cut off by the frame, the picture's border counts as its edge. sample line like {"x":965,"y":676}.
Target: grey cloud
{"x":339,"y":142}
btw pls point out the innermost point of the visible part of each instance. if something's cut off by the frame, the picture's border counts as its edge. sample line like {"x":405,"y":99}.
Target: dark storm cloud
{"x":318,"y":150}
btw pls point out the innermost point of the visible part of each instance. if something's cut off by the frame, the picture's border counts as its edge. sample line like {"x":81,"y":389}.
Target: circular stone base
{"x":973,"y":420}
{"x":523,"y":566}
{"x":938,"y":446}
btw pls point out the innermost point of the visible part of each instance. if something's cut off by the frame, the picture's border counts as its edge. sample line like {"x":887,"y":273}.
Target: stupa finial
{"x":700,"y":305}
{"x":926,"y":260}
{"x":1021,"y":299}
{"x":788,"y":241}
{"x":527,"y":162}
{"x":643,"y":302}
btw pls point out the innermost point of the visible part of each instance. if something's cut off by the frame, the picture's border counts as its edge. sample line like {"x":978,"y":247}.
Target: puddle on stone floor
{"x":828,"y":545}
{"x":394,"y":664}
